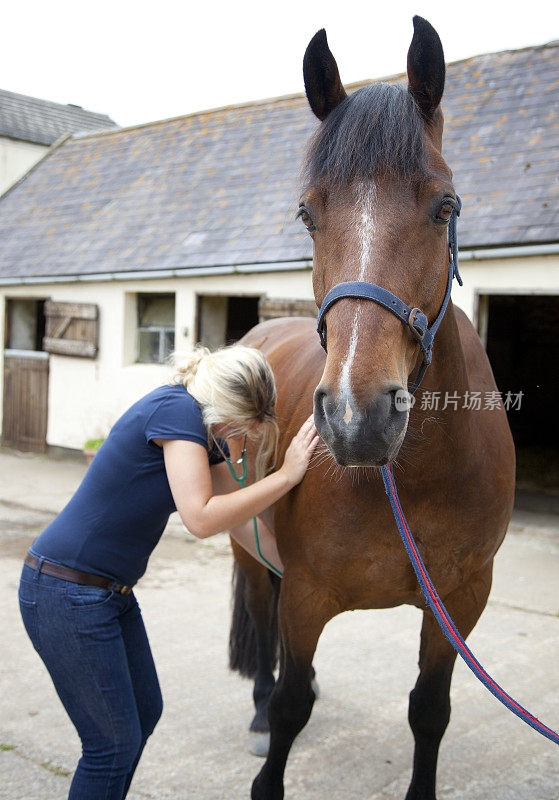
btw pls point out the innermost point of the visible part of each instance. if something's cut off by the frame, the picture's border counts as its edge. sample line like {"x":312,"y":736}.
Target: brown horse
{"x":377,"y":203}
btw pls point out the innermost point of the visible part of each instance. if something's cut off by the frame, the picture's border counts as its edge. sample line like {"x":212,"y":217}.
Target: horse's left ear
{"x":322,"y":80}
{"x":426,"y":68}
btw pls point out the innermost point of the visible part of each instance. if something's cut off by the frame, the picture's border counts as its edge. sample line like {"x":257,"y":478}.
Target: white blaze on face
{"x":365,"y":234}
{"x":366,"y":225}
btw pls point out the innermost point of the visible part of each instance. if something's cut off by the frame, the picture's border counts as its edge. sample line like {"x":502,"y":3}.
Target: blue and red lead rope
{"x":443,"y":618}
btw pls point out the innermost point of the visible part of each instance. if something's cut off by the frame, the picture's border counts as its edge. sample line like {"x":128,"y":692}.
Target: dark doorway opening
{"x":224,"y":319}
{"x":242,"y":315}
{"x":523,"y":347}
{"x":25,"y":324}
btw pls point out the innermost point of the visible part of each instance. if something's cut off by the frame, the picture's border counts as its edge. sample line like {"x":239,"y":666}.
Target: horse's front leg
{"x":304,"y":610}
{"x":429,"y":707}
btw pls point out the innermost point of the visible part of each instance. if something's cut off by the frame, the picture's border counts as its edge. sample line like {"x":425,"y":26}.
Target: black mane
{"x":376,"y":129}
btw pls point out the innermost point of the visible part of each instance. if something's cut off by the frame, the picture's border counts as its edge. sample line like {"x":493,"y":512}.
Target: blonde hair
{"x":235,"y":386}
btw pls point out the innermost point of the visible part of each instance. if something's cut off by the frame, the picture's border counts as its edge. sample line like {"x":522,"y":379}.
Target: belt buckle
{"x":125,"y":590}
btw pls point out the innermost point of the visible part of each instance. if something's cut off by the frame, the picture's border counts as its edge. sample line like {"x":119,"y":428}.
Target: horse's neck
{"x":440,"y":425}
{"x":442,"y":404}
{"x":449,"y":371}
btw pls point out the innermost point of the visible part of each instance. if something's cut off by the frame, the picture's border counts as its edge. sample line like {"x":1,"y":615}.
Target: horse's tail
{"x":244,"y":635}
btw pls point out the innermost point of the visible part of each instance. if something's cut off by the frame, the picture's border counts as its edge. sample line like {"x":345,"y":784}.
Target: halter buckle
{"x":418,"y":323}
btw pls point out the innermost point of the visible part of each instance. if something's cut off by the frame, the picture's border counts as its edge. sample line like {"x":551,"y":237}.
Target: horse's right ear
{"x":322,"y":80}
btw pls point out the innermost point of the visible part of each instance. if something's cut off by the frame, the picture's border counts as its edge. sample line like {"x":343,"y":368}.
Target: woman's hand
{"x":205,"y":513}
{"x":299,"y":452}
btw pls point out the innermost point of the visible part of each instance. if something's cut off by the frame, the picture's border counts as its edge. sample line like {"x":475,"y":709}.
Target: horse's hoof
{"x":316,"y":689}
{"x":259,"y":744}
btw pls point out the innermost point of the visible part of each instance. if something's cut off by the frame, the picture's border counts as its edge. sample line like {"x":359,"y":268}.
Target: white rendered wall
{"x":86,"y":396}
{"x":15,"y":159}
{"x":529,"y":275}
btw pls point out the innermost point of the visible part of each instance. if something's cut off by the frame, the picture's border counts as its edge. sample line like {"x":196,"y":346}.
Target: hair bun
{"x":186,"y":364}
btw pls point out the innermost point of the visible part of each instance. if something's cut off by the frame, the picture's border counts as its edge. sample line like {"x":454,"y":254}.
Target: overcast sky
{"x":140,"y":61}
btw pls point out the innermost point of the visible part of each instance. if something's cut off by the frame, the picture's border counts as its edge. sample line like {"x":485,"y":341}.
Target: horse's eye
{"x":308,"y":221}
{"x":445,"y":211}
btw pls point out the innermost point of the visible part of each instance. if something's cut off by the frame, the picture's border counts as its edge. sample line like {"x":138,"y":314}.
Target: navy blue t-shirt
{"x":119,"y":511}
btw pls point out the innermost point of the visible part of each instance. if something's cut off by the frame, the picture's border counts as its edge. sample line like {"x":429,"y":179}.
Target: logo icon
{"x":404,"y":401}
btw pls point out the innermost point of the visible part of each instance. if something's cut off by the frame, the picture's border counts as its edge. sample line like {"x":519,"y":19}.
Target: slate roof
{"x":30,"y":119}
{"x":221,"y":187}
{"x":502,"y":143}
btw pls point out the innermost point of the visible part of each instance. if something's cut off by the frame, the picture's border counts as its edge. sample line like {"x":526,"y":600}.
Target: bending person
{"x":166,"y":453}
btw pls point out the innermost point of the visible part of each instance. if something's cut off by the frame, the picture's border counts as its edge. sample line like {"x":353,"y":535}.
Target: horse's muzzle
{"x":360,"y":437}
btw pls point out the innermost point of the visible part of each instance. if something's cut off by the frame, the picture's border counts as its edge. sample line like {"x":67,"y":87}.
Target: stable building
{"x":122,"y":245}
{"x":29,"y":126}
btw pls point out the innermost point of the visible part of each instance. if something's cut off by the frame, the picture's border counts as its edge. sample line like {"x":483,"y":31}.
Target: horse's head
{"x":377,"y":202}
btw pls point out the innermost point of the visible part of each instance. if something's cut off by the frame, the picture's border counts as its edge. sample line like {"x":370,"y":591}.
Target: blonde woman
{"x":166,"y":452}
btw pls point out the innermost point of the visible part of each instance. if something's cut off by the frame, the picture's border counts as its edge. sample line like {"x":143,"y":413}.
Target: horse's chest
{"x":371,"y":568}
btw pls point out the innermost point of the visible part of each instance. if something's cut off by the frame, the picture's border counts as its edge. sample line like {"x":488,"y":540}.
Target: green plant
{"x":93,"y":444}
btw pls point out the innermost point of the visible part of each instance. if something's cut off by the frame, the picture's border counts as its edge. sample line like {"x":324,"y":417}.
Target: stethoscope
{"x":241,"y":479}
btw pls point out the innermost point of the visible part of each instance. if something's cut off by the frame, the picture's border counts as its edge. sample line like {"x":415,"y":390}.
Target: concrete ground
{"x":357,"y":743}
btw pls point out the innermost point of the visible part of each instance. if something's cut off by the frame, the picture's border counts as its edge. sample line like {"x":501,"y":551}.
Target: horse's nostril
{"x":319,"y":398}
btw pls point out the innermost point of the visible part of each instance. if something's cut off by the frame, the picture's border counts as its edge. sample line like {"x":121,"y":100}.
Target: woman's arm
{"x":224,"y":483}
{"x":244,"y":535}
{"x":205,"y":513}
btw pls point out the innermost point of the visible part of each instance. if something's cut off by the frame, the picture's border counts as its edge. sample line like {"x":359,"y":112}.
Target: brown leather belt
{"x":75,"y":576}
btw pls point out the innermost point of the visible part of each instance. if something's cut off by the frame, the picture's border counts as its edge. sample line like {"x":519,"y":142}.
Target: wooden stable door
{"x":24,"y":422}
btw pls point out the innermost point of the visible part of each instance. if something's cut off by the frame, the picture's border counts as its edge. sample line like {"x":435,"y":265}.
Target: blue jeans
{"x":94,"y":645}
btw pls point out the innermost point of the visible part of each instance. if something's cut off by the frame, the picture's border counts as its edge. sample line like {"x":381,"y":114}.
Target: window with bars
{"x":156,"y":327}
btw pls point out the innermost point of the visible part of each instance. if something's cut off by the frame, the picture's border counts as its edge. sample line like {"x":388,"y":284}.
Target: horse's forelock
{"x":376,"y":129}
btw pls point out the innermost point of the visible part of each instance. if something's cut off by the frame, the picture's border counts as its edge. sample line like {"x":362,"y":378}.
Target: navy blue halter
{"x":413,"y":318}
